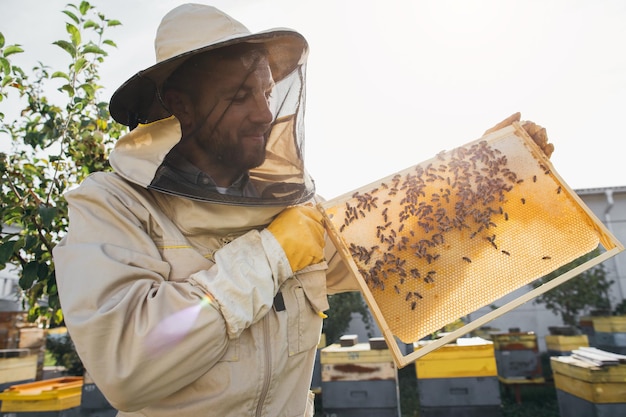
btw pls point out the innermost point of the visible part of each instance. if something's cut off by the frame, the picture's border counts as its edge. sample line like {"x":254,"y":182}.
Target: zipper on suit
{"x":268,"y":366}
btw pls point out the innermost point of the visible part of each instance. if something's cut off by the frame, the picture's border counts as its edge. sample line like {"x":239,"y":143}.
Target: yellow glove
{"x":538,"y":133}
{"x":300,"y":233}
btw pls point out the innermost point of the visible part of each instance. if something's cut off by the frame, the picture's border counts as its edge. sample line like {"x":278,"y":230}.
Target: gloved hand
{"x":300,"y":233}
{"x":535,"y":131}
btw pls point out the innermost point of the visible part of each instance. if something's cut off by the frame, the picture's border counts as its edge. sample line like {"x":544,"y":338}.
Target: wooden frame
{"x":610,"y":244}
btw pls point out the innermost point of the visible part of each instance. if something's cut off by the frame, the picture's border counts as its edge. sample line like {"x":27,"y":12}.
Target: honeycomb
{"x":441,"y":239}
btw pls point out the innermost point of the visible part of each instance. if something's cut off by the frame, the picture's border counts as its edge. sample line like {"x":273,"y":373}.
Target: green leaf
{"x":30,"y":242}
{"x":6,"y":80}
{"x":6,"y":251}
{"x":88,"y":88}
{"x":47,"y":215}
{"x":84,"y":7}
{"x":80,"y":64}
{"x":109,"y":42}
{"x":60,"y":74}
{"x":90,"y":24}
{"x":69,"y":89}
{"x":1,"y":40}
{"x":93,"y":49}
{"x":66,"y":46}
{"x":6,"y":66}
{"x":74,"y":33}
{"x":29,"y":275}
{"x":12,"y":49}
{"x":72,"y":16}
{"x":114,"y":22}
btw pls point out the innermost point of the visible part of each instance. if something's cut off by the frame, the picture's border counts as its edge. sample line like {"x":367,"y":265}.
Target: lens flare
{"x":174,"y":328}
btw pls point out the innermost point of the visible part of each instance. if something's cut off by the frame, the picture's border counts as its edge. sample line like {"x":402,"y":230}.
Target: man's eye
{"x":240,"y":97}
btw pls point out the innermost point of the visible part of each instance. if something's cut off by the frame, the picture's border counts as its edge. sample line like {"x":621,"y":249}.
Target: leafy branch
{"x":55,"y":145}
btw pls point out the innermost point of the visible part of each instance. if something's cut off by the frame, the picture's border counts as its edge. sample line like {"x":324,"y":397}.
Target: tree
{"x":588,"y":290}
{"x":342,"y":306}
{"x":54,"y":147}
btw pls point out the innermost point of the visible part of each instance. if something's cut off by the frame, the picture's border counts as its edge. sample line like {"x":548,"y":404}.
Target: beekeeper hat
{"x":188,"y":30}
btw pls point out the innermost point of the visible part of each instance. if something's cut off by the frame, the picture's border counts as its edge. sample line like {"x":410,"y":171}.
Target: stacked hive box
{"x":559,"y":345}
{"x":610,"y":333}
{"x":517,"y":357}
{"x":359,"y":379}
{"x":587,"y":390}
{"x":459,"y":380}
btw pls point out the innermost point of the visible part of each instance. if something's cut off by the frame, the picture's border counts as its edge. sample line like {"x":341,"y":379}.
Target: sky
{"x":392,"y":83}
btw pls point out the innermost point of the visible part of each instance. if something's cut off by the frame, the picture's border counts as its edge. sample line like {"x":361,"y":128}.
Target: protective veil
{"x":282,"y":179}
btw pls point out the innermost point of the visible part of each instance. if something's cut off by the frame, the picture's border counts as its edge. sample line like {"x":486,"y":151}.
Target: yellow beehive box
{"x":472,"y":358}
{"x":610,"y":324}
{"x":584,"y":371}
{"x":359,"y":353}
{"x":566,"y":343}
{"x":597,"y":392}
{"x":17,"y":365}
{"x":47,"y":395}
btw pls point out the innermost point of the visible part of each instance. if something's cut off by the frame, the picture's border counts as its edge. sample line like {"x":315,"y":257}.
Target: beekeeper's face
{"x":227,"y":115}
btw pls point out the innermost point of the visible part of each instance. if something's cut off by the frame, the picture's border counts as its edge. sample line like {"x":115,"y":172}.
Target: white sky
{"x":392,"y":83}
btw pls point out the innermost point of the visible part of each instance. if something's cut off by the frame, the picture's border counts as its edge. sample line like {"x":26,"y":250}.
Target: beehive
{"x":443,"y":238}
{"x":476,"y":358}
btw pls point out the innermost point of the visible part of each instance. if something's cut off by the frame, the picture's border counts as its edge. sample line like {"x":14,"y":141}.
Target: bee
{"x":413,"y":305}
{"x":466,"y":259}
{"x":506,"y":253}
{"x":546,"y":257}
{"x":523,"y":201}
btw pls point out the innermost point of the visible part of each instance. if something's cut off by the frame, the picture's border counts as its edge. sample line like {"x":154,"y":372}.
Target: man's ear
{"x":180,"y":105}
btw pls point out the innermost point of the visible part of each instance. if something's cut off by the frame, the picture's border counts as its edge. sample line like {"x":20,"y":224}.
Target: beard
{"x":239,"y":153}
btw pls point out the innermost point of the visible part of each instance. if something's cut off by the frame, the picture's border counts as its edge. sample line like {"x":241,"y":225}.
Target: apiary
{"x":441,"y":239}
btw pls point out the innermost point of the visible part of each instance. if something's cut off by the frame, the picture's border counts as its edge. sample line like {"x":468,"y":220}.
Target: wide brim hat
{"x":188,"y":30}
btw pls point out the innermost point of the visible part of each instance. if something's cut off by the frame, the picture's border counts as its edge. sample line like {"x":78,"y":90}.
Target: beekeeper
{"x":193,"y":278}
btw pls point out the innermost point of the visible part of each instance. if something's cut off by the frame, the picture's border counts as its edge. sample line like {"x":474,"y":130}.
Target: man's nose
{"x":261,"y":112}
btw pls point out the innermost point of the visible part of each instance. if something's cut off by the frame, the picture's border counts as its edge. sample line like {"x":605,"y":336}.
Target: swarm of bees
{"x":462,"y":191}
